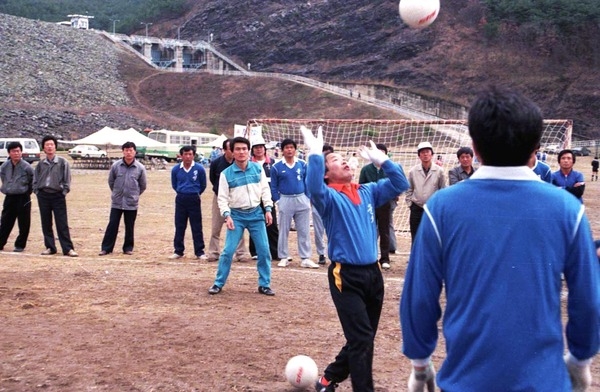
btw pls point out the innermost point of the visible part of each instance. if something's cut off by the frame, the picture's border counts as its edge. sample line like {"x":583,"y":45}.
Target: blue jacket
{"x":498,"y":245}
{"x":567,"y":182}
{"x":351,"y":229}
{"x":191,"y":182}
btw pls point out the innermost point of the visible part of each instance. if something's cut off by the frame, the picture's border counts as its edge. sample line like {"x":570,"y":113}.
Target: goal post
{"x":401,"y":137}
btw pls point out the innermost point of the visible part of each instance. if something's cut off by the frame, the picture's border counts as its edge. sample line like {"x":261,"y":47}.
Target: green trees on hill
{"x":544,"y":13}
{"x":126,"y":14}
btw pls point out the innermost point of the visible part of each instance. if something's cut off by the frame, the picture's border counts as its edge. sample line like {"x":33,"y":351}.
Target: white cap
{"x":257,"y":141}
{"x":424,"y":145}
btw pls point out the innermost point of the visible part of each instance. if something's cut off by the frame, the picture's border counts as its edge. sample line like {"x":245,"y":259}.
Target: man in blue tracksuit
{"x":355,"y":280}
{"x":289,"y":192}
{"x":188,"y":179}
{"x":498,"y":245}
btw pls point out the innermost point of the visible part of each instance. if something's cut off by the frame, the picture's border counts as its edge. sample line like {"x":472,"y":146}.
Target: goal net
{"x":401,"y":138}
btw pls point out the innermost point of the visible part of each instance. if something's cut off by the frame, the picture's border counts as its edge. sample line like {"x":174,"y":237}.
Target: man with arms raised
{"x":355,"y":279}
{"x":498,"y":244}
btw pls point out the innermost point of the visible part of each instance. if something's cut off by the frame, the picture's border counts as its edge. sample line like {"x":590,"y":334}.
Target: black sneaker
{"x":214,"y":289}
{"x":322,"y":260}
{"x":330,"y":387}
{"x":18,"y":250}
{"x":266,"y":291}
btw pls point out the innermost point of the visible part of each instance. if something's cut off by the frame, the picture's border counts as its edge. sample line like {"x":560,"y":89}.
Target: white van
{"x":31,"y":149}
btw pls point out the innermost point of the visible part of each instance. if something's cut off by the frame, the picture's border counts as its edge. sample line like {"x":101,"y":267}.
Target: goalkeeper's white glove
{"x":579,"y":372}
{"x":313,"y":144}
{"x":373,"y":154}
{"x":421,"y":379}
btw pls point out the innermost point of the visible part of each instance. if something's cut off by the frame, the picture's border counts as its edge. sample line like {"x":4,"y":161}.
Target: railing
{"x":93,"y":163}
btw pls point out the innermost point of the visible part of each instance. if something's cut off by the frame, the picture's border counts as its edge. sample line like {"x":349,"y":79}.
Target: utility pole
{"x":147,"y":24}
{"x":114,"y":22}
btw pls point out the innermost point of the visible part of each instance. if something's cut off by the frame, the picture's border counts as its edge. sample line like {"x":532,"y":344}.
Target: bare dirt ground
{"x":145,"y":323}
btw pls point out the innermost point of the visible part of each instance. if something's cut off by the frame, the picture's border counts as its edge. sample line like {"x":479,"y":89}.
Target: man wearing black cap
{"x":465,"y":169}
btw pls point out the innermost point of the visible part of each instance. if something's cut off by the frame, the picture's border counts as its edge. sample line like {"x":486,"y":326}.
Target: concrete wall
{"x":421,"y":103}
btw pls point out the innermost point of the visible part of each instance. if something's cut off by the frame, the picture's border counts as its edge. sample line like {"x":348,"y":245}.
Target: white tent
{"x":116,"y":137}
{"x":218,"y":142}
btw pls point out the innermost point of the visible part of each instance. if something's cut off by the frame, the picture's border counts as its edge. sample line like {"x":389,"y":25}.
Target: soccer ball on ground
{"x":301,"y":371}
{"x":419,"y":13}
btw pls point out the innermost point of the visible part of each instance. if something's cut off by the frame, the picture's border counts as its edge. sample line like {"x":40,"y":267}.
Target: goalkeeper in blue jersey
{"x":498,"y":244}
{"x":355,"y":280}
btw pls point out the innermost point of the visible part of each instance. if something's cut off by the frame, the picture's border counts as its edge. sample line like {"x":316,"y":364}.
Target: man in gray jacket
{"x":51,"y":183}
{"x":17,"y":180}
{"x":127,"y":181}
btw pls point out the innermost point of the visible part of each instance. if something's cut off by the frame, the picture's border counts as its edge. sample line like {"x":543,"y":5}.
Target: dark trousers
{"x":54,"y":203}
{"x":187,"y":208}
{"x":110,"y":235}
{"x":15,"y":208}
{"x":272,"y":235}
{"x":383,"y":216}
{"x":357,"y":293}
{"x":416,"y":213}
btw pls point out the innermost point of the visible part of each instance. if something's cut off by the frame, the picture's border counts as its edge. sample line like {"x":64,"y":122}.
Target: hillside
{"x":357,"y":41}
{"x":72,"y":82}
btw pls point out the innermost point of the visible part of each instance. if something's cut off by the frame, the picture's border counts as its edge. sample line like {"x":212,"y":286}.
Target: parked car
{"x":85,"y":151}
{"x":551,"y":149}
{"x":31,"y":149}
{"x":581,"y":151}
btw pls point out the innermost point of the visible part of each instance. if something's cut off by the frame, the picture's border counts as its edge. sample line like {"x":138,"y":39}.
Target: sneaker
{"x":72,"y":253}
{"x":103,"y":253}
{"x":202,"y":257}
{"x":322,"y":385}
{"x":128,"y":252}
{"x":283,"y":263}
{"x":255,"y":257}
{"x":308,"y":263}
{"x":48,"y":252}
{"x":18,"y":250}
{"x":322,"y":260}
{"x":175,"y":256}
{"x":214,"y":290}
{"x":266,"y":291}
{"x":385,"y":266}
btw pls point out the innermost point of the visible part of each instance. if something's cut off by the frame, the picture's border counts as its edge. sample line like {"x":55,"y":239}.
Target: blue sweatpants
{"x":254,"y":221}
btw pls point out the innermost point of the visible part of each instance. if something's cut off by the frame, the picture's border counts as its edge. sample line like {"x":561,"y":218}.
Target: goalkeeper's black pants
{"x":357,"y":293}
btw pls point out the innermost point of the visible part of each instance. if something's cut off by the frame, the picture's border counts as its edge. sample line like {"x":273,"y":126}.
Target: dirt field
{"x":145,"y":323}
